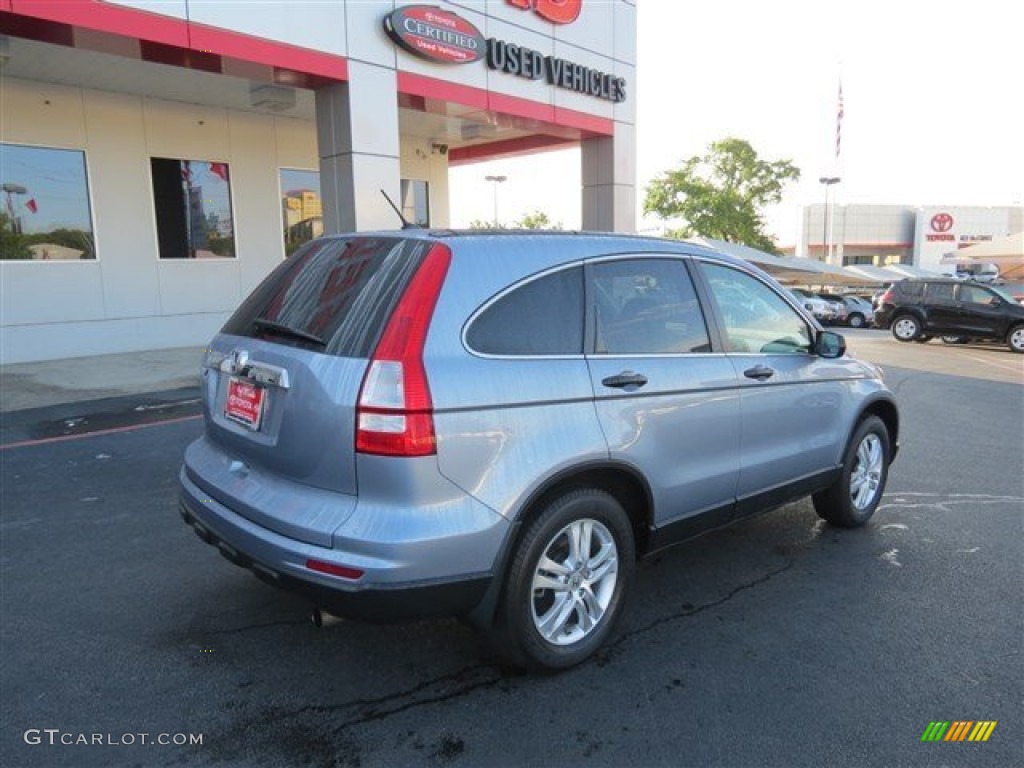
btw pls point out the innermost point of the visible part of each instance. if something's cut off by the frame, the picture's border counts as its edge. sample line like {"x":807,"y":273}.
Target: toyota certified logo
{"x":942,"y":222}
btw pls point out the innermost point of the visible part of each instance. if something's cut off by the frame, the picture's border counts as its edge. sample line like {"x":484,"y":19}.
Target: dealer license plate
{"x":245,"y":403}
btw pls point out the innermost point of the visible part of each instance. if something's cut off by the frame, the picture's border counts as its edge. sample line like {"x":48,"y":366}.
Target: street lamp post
{"x":826,"y":240}
{"x":13,"y":189}
{"x":496,"y":180}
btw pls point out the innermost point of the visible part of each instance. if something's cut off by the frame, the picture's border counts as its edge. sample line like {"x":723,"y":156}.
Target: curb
{"x":109,"y":413}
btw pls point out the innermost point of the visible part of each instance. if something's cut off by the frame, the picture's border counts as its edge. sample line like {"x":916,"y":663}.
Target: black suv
{"x":918,"y":309}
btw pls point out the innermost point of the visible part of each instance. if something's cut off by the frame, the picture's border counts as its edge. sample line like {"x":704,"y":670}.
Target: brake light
{"x":394,"y":416}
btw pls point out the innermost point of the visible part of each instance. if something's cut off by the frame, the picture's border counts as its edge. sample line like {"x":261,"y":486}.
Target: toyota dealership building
{"x":159,"y":157}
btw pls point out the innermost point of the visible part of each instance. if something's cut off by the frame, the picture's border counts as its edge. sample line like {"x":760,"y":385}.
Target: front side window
{"x":756,"y":318}
{"x":974,"y":294}
{"x":540,"y":318}
{"x":645,"y":307}
{"x":45,"y":213}
{"x":193,"y":209}
{"x":302,"y":210}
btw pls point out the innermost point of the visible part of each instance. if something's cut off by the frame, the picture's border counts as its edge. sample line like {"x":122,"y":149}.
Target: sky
{"x":933,"y":105}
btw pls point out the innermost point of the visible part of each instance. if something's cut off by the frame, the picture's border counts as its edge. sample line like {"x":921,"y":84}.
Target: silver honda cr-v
{"x":496,"y":425}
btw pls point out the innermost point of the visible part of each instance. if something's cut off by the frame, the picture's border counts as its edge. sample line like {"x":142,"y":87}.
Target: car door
{"x":794,"y":404}
{"x":940,"y":310}
{"x":667,"y":402}
{"x":980,"y":311}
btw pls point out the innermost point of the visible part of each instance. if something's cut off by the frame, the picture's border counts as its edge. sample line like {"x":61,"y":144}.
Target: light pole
{"x":14,"y":189}
{"x":496,"y":180}
{"x":826,"y":241}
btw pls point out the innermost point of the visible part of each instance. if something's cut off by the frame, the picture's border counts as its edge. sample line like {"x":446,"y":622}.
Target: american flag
{"x":839,"y":119}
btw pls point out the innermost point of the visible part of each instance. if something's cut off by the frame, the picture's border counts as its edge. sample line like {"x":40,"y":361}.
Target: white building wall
{"x":128,"y":298}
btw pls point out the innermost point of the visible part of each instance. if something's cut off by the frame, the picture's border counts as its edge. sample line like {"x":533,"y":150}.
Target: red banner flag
{"x":31,"y":205}
{"x":220,"y":170}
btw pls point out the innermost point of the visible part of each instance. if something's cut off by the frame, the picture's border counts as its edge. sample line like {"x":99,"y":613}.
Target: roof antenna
{"x":405,"y":224}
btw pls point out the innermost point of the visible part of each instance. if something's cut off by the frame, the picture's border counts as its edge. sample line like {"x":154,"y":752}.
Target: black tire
{"x":522,"y":611}
{"x":856,"y":320}
{"x":1015,"y":339}
{"x":923,"y":339}
{"x":905,"y":328}
{"x":869,"y":445}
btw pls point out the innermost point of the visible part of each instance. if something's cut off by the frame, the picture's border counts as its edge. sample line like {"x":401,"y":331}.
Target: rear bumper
{"x":381,"y":594}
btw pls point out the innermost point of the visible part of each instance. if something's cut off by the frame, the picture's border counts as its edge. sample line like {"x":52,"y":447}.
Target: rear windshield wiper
{"x":284,"y":330}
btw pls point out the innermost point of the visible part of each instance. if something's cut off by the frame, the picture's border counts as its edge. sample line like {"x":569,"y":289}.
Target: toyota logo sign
{"x":942,"y":222}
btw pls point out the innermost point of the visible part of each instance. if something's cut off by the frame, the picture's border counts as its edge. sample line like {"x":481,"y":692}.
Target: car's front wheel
{"x":856,"y":320}
{"x":567,"y":581}
{"x":853,"y":498}
{"x":1015,"y":339}
{"x":906,"y":328}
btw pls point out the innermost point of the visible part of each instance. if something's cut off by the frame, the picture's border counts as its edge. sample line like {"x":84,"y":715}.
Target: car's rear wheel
{"x":1015,"y":339}
{"x":856,"y":320}
{"x":923,"y":339}
{"x":853,"y":498}
{"x":906,"y":328}
{"x":566,"y":585}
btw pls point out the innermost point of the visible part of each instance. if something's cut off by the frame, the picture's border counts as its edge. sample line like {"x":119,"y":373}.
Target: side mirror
{"x":830,"y":345}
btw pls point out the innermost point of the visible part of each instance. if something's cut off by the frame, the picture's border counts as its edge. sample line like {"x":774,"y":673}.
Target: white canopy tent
{"x":1007,"y":253}
{"x":789,"y":269}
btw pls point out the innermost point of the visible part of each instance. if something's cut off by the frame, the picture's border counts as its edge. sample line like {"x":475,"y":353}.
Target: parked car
{"x":918,"y":309}
{"x":824,"y":312}
{"x":838,"y":307}
{"x":496,"y":425}
{"x":857,"y":312}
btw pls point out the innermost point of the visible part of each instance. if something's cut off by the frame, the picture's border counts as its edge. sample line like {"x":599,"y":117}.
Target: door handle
{"x":759,"y":372}
{"x":626,"y":380}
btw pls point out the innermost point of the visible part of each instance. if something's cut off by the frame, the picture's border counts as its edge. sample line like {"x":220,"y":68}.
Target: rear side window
{"x":543,"y":317}
{"x":941,"y":293}
{"x":332,"y":295}
{"x":910,"y":289}
{"x":646,"y":307}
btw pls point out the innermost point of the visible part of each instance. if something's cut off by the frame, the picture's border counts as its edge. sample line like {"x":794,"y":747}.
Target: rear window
{"x":332,"y":295}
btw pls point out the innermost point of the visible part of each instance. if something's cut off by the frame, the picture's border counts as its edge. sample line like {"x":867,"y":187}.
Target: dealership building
{"x":883,"y":235}
{"x":159,"y":158}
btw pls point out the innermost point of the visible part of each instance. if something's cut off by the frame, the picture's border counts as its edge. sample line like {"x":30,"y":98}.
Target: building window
{"x":416,"y":202}
{"x":45,"y":213}
{"x":193,"y":209}
{"x":302,"y":210}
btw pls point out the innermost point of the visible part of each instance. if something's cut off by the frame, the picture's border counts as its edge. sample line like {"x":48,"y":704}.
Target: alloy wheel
{"x":866,"y":477}
{"x":574,"y":582}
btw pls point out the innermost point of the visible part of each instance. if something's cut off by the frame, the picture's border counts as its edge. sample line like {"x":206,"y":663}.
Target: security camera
{"x":441,"y":149}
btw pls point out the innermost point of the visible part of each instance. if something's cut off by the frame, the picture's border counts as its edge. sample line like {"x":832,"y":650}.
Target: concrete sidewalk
{"x":59,"y":399}
{"x":25,"y":386}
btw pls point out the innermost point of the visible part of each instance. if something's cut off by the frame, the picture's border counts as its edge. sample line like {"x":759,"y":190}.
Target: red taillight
{"x":394,"y":416}
{"x":886,"y":297}
{"x":332,"y":569}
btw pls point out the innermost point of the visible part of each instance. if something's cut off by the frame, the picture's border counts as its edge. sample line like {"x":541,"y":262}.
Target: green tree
{"x":537,"y":220}
{"x":12,"y":245}
{"x":721,"y":194}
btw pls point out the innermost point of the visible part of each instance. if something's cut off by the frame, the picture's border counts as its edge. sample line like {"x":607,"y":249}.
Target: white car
{"x":822,"y":310}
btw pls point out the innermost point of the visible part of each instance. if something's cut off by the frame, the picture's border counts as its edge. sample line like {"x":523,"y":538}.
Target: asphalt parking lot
{"x":777,"y":642}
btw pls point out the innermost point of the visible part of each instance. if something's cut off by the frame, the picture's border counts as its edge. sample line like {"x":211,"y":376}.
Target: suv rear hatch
{"x":282,"y":380}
